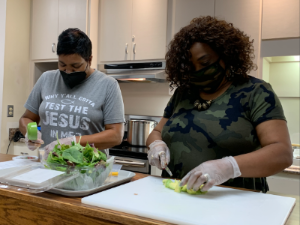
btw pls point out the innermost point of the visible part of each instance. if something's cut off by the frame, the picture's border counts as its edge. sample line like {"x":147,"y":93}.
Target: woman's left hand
{"x":66,"y":141}
{"x":211,"y":173}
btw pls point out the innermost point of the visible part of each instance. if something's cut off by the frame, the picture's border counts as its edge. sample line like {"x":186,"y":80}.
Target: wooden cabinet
{"x":132,"y":29}
{"x":280,"y":19}
{"x":245,"y":15}
{"x":49,"y":19}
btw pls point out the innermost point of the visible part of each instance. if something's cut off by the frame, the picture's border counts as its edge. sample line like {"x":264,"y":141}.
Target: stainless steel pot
{"x":139,"y":130}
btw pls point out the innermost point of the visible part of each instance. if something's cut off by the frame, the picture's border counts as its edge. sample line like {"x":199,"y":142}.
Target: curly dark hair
{"x":233,"y":46}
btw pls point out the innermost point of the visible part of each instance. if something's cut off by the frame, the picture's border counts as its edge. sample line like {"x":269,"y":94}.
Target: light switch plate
{"x":10,"y":111}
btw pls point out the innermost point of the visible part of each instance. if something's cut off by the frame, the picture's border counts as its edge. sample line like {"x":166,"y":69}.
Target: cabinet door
{"x":186,"y":10}
{"x":280,"y":19}
{"x":245,"y":15}
{"x":72,"y":14}
{"x":115,"y":30}
{"x":149,"y":28}
{"x":44,"y":29}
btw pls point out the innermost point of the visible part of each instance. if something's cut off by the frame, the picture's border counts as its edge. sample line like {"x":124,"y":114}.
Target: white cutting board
{"x":148,"y":197}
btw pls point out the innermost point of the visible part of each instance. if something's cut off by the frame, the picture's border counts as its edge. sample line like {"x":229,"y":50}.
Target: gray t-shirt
{"x":82,"y":110}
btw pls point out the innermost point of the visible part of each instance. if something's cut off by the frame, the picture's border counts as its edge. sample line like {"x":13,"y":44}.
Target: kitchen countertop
{"x":292,"y":169}
{"x":45,"y":208}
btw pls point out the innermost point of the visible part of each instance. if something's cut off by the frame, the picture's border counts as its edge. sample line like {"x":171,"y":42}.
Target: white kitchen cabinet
{"x":44,"y":29}
{"x":186,"y":10}
{"x":245,"y":15}
{"x":149,"y":28}
{"x":115,"y":31}
{"x":72,"y":14}
{"x":280,"y":19}
{"x":132,"y":29}
{"x":49,"y":19}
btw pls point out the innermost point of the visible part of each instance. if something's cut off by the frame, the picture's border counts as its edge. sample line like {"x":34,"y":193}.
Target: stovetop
{"x":127,"y":150}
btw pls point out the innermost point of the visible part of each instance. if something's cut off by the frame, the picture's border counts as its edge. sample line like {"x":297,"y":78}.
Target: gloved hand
{"x":212,"y":172}
{"x":66,"y":141}
{"x":33,"y":145}
{"x":159,"y":154}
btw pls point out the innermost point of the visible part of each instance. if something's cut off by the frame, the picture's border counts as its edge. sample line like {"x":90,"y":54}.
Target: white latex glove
{"x":212,"y":172}
{"x":66,"y":141}
{"x":159,"y":154}
{"x":33,"y":145}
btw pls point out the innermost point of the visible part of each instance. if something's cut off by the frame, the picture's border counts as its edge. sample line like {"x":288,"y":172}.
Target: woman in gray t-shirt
{"x":75,"y":100}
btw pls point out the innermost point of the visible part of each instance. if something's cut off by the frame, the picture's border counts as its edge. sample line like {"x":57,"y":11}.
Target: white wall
{"x":266,"y":70}
{"x":284,"y":78}
{"x":291,"y":108}
{"x":2,"y":48}
{"x":145,"y":99}
{"x":16,"y":65}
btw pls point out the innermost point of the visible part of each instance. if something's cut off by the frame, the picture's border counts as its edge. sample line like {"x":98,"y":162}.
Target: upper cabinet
{"x":186,"y":10}
{"x":72,"y":14}
{"x":115,"y":30}
{"x":280,"y":19}
{"x":50,"y":18}
{"x":44,"y":29}
{"x":245,"y":15}
{"x":132,"y":29}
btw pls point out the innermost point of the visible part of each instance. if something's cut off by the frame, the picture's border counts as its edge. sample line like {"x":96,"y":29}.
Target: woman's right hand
{"x":159,"y":154}
{"x":33,"y":145}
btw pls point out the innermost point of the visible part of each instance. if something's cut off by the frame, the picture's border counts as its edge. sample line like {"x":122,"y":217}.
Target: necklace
{"x":202,"y":105}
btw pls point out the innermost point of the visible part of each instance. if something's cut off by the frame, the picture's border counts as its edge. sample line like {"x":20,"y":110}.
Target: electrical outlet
{"x":10,"y":111}
{"x":12,"y":132}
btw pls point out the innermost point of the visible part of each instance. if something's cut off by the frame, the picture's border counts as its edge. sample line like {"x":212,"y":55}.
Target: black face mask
{"x":209,"y":78}
{"x":73,"y":79}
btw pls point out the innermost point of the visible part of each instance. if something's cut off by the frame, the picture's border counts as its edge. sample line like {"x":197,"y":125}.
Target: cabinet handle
{"x":134,"y":44}
{"x":53,"y":45}
{"x":24,"y":153}
{"x":126,"y":48}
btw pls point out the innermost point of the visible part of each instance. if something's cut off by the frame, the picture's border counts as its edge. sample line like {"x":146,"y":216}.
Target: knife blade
{"x":168,"y":171}
{"x":166,"y":168}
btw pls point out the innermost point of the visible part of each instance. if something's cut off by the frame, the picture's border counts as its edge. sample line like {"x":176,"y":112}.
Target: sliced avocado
{"x":184,"y":188}
{"x":177,"y":187}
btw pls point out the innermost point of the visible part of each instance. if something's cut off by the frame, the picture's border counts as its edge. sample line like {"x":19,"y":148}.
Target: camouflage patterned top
{"x":227,"y":128}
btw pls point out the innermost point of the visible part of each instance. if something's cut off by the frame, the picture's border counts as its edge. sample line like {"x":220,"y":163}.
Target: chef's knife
{"x":166,"y":168}
{"x":168,"y":171}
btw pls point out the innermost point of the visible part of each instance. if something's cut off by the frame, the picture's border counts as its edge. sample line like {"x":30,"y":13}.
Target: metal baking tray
{"x":111,"y":181}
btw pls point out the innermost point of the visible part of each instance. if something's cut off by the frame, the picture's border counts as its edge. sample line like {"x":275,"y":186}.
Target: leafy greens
{"x":64,"y":156}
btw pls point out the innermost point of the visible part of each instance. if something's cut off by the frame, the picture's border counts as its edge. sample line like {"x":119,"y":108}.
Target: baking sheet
{"x":111,"y":181}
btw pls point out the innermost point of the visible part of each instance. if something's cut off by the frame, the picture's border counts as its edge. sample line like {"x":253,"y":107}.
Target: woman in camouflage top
{"x":221,"y":126}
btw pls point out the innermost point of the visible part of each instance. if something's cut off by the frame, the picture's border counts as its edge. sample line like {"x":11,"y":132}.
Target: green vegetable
{"x":73,"y":154}
{"x":175,"y":186}
{"x":87,"y":158}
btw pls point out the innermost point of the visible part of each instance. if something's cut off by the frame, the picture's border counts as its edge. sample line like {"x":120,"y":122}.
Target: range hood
{"x":146,"y":72}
